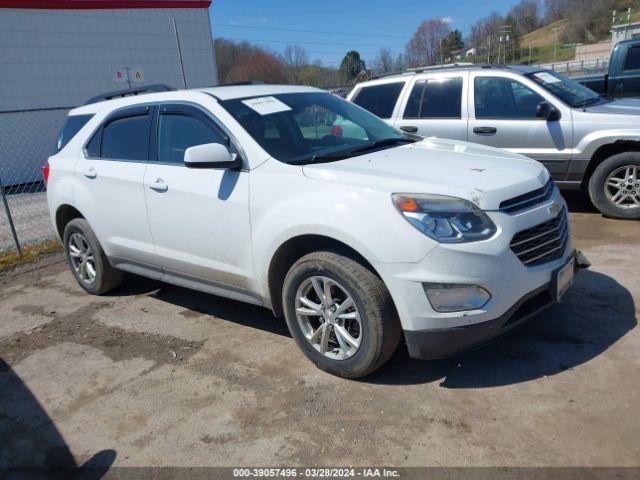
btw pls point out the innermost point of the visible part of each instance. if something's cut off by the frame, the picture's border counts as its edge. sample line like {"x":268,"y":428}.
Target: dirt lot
{"x":156,"y":375}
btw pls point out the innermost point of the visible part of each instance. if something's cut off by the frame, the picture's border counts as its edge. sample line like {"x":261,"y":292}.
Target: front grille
{"x":543,"y":243}
{"x":522,"y":202}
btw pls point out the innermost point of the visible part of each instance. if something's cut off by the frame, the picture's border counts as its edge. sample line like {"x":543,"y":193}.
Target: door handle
{"x":90,"y":173}
{"x":158,"y":185}
{"x":409,"y":128}
{"x":485,"y":130}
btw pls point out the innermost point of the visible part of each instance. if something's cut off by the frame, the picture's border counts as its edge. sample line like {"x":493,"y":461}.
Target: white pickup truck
{"x":585,"y":140}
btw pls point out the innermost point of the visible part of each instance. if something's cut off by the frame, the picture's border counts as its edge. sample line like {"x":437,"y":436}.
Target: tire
{"x":371,"y":320}
{"x":82,"y":247}
{"x":602,"y":193}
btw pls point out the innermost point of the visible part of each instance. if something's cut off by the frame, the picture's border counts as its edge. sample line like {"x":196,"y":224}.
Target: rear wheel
{"x":340,"y":314}
{"x":87,"y":260}
{"x":614,"y":187}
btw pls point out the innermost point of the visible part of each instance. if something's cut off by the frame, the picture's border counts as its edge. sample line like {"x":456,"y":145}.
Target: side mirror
{"x":548,"y":111}
{"x":211,"y":155}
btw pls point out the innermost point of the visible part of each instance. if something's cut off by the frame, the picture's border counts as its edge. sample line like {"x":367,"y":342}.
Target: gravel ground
{"x":30,"y":218}
{"x":155,"y":375}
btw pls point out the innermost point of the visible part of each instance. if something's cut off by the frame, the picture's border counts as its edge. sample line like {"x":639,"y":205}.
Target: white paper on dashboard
{"x":547,"y":77}
{"x":266,"y":105}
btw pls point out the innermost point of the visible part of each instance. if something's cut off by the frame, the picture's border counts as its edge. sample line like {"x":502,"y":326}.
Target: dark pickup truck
{"x":623,"y":79}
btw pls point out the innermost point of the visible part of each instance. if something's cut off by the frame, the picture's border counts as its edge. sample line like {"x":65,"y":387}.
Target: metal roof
{"x":102,"y":4}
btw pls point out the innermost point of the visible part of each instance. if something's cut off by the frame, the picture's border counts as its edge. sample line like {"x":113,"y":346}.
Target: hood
{"x":624,"y":106}
{"x":483,"y":175}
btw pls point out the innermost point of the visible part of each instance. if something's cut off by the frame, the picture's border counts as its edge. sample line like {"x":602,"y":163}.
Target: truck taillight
{"x":45,"y":172}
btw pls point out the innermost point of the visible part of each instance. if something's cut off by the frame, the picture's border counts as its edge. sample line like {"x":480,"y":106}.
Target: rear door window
{"x":435,"y":98}
{"x":632,"y":60}
{"x":72,"y":125}
{"x":124,"y":137}
{"x":379,"y":99}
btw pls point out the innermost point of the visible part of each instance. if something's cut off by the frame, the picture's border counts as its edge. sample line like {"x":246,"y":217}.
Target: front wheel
{"x":614,"y":187}
{"x":340,"y":314}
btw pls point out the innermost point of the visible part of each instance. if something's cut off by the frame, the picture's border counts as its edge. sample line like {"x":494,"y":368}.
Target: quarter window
{"x":72,"y":126}
{"x":379,"y":99}
{"x":177,"y":132}
{"x":498,"y":97}
{"x":435,"y":98}
{"x":632,"y":60}
{"x":126,"y":138}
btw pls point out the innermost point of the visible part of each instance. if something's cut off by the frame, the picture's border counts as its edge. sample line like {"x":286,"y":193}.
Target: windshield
{"x":572,"y":93}
{"x":311,"y":126}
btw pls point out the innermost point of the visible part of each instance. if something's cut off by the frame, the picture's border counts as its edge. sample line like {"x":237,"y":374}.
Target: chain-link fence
{"x":55,"y":59}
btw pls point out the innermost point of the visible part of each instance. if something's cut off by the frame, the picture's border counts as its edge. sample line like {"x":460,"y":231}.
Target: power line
{"x":324,"y":32}
{"x":290,"y":42}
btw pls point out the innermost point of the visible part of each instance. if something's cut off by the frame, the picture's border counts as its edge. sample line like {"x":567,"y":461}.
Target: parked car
{"x":586,"y":141}
{"x":623,"y":78}
{"x":357,"y":240}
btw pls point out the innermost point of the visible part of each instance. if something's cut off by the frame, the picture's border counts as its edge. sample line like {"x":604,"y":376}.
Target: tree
{"x":452,"y":43}
{"x":351,"y":66}
{"x":383,"y":62}
{"x":295,"y":59}
{"x":399,"y":63}
{"x":424,"y":47}
{"x":526,"y":15}
{"x":258,"y":65}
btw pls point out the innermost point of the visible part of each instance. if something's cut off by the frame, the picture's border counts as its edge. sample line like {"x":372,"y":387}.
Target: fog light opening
{"x":451,"y":297}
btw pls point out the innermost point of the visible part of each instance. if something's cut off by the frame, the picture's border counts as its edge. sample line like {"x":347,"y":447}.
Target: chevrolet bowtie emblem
{"x":554,"y":208}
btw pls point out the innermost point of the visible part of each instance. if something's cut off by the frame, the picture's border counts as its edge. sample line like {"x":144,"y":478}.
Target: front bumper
{"x":447,"y":342}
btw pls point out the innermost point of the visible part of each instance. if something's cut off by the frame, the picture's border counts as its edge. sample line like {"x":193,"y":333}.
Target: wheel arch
{"x":64,"y":214}
{"x":605,"y":151}
{"x":295,"y":248}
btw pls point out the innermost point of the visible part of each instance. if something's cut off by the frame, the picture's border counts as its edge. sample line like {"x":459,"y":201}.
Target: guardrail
{"x":576,"y":67}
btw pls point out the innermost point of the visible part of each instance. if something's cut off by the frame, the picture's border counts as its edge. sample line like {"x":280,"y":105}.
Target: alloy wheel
{"x":82,"y":257}
{"x":622,"y":186}
{"x":328,"y":317}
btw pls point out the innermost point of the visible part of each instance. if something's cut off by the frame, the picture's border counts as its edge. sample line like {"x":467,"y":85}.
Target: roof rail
{"x":130,"y":92}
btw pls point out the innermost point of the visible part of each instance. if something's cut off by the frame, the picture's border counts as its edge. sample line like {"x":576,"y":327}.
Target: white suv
{"x":294,"y":199}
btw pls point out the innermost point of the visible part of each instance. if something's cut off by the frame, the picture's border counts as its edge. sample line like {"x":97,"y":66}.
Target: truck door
{"x":504,"y":116}
{"x":434,"y":107}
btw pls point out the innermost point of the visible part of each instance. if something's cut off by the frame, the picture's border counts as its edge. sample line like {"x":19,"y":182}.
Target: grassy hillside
{"x":544,"y":36}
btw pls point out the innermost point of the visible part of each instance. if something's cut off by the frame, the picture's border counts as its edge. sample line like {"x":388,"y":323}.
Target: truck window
{"x":379,"y":99}
{"x":632,"y":60}
{"x":498,"y":97}
{"x":435,"y":98}
{"x":72,"y":125}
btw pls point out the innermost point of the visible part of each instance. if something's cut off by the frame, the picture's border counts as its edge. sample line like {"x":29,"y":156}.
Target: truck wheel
{"x":87,"y":260}
{"x":340,"y":314}
{"x":614,"y":187}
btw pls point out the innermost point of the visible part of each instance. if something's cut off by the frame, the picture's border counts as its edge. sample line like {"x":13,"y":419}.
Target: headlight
{"x":445,"y":219}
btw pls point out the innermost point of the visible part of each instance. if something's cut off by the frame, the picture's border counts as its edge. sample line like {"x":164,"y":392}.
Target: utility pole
{"x":626,"y":27}
{"x":489,"y":51}
{"x":505,"y":30}
{"x":555,"y":42}
{"x":441,"y":54}
{"x":530,"y":42}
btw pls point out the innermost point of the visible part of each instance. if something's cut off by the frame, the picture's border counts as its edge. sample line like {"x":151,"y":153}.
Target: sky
{"x":365,"y":25}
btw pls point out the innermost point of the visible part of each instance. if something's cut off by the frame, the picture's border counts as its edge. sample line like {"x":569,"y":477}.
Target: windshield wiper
{"x":332,"y":157}
{"x":383,"y":142}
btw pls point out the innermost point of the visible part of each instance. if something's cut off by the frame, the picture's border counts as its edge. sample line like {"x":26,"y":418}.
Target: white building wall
{"x":52,"y":60}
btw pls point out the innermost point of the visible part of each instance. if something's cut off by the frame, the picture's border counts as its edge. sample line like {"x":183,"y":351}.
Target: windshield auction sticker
{"x":266,"y":105}
{"x":547,"y":77}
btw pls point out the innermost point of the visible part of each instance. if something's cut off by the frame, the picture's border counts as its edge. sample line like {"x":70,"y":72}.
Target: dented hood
{"x":483,"y":175}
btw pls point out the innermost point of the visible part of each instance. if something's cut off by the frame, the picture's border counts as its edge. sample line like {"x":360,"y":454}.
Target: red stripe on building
{"x":103,"y":4}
